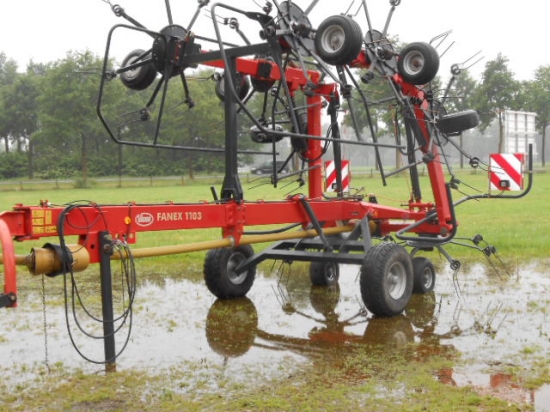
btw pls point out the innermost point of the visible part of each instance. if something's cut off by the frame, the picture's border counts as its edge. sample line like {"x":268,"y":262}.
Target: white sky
{"x":44,"y":30}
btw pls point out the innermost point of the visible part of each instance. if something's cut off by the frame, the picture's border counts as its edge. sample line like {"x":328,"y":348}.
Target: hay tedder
{"x":305,"y":76}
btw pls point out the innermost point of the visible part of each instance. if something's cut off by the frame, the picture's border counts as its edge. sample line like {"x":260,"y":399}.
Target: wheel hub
{"x":427,"y":278}
{"x":161,"y":47}
{"x":334,"y":38}
{"x":330,"y":272}
{"x":297,"y":22}
{"x":396,"y":280}
{"x":414,"y":63}
{"x":233,"y":262}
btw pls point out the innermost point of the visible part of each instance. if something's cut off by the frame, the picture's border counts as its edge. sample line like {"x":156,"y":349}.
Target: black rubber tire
{"x":345,"y":31}
{"x":386,"y":279}
{"x":220,"y":276}
{"x":231,"y":326}
{"x":424,"y":275}
{"x":457,"y":122}
{"x":140,"y":78}
{"x":300,"y":145}
{"x":418,"y":63}
{"x":324,"y":273}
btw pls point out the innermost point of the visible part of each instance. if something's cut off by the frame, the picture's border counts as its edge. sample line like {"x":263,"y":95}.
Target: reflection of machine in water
{"x":232,"y":329}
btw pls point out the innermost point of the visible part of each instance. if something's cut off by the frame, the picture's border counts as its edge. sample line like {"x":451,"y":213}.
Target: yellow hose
{"x":42,"y":260}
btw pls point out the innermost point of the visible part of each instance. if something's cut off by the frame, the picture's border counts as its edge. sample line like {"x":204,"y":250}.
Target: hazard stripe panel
{"x":330,"y":176}
{"x":506,"y":171}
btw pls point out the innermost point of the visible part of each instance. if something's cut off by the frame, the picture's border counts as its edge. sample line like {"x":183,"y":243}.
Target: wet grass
{"x":366,"y":378}
{"x":516,"y":228}
{"x":367,"y":381}
{"x":366,"y":373}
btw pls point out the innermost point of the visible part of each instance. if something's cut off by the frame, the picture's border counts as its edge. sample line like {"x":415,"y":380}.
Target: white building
{"x":519,"y":131}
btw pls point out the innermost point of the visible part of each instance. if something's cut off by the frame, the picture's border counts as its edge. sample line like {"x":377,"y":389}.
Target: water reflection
{"x":421,"y":333}
{"x":287,"y":325}
{"x":232,"y":327}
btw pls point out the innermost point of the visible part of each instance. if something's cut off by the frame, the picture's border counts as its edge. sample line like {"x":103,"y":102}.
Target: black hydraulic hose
{"x":271,"y":232}
{"x":369,"y":121}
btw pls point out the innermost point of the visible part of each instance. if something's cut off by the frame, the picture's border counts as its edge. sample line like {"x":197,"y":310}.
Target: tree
{"x":537,"y":97}
{"x":8,"y":75}
{"x":199,"y":126}
{"x":22,"y":112}
{"x":498,"y":92}
{"x":67,"y":113}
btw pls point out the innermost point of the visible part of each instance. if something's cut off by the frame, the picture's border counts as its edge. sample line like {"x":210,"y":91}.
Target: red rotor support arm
{"x":435,"y":164}
{"x":420,"y":105}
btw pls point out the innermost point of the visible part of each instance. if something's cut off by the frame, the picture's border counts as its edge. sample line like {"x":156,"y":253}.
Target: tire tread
{"x":373,"y":272}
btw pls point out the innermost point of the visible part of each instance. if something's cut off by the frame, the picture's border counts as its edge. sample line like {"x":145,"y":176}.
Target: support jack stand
{"x":7,"y":300}
{"x":107,"y":301}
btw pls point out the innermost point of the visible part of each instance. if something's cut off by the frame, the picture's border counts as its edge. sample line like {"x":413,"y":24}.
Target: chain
{"x":46,"y":361}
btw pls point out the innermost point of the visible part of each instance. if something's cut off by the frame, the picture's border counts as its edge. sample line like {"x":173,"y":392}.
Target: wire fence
{"x":159,"y":181}
{"x":124,"y":181}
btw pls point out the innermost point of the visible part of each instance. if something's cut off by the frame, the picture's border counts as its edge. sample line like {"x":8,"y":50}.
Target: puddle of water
{"x":542,"y":400}
{"x":179,"y":324}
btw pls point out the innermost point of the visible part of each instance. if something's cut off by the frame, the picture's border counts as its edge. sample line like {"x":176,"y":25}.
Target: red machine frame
{"x":124,"y":221}
{"x":422,"y":225}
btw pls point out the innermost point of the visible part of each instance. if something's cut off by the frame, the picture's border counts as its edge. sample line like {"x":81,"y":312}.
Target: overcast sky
{"x":44,"y":30}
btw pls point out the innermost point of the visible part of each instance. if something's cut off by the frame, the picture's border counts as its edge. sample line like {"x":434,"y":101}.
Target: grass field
{"x":518,"y":228}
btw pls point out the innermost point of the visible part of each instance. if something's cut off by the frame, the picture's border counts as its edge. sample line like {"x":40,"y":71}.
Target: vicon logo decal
{"x":144,"y":219}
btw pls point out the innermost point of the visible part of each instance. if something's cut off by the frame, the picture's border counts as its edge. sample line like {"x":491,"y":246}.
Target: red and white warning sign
{"x":506,"y":171}
{"x":330,"y":176}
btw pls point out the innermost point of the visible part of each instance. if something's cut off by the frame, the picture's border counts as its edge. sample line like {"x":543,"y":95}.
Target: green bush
{"x":13,"y":165}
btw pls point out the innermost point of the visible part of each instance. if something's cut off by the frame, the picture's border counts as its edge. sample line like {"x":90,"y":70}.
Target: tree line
{"x":49,"y":127}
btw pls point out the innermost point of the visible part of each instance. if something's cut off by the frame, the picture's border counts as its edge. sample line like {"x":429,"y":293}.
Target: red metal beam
{"x":8,"y":257}
{"x":125,"y":221}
